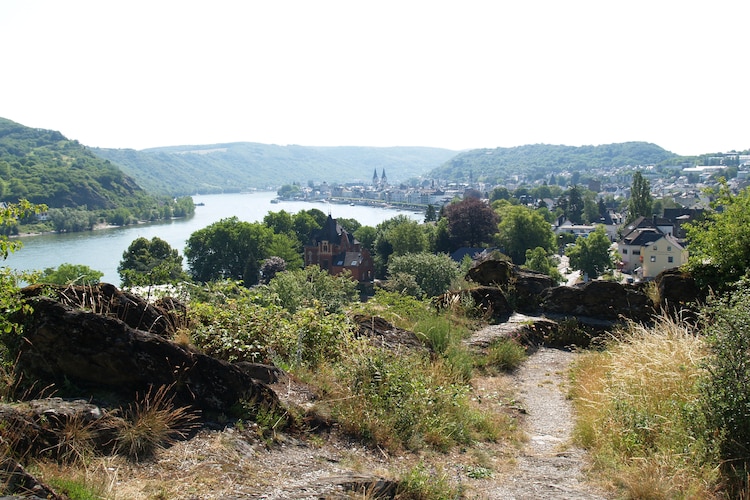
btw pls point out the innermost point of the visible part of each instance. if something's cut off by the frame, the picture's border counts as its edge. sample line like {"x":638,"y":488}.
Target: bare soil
{"x":235,"y":463}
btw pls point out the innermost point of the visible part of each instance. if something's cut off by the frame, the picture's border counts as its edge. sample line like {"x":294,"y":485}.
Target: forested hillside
{"x":45,"y":167}
{"x":240,"y":166}
{"x":496,"y":165}
{"x":79,"y":188}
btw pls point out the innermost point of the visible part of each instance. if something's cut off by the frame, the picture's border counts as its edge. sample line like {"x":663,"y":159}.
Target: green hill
{"x":240,"y":166}
{"x":43,"y":166}
{"x":496,"y":165}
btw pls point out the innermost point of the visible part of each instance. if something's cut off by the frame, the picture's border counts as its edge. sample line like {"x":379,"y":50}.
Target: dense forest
{"x":233,"y":167}
{"x":44,"y":167}
{"x":499,"y":164}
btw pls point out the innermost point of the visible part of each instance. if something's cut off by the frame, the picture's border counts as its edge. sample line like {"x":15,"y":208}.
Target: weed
{"x":422,"y":483}
{"x":152,"y":423}
{"x":502,"y":355}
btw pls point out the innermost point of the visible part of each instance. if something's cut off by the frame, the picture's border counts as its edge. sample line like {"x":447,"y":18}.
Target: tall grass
{"x":636,"y":405}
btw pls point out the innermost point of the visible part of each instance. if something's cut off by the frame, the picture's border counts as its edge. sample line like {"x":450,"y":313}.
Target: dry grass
{"x":635,"y":406}
{"x":153,"y":423}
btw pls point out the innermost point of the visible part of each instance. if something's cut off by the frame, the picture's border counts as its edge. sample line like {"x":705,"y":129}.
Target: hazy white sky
{"x":458,"y":74}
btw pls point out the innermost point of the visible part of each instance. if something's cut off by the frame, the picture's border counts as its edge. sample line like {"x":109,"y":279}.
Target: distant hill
{"x":496,"y":165}
{"x":43,"y":166}
{"x":240,"y":166}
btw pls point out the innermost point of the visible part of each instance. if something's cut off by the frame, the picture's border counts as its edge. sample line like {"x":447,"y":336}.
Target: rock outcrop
{"x":66,"y":345}
{"x":604,"y":300}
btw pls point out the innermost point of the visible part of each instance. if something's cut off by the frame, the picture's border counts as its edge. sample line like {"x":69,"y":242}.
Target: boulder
{"x":605,"y":300}
{"x":384,"y":334}
{"x":492,"y":272}
{"x":65,"y":345}
{"x":677,"y":290}
{"x":108,"y":300}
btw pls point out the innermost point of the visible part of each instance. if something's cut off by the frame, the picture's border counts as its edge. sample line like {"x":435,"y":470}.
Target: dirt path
{"x":548,"y":466}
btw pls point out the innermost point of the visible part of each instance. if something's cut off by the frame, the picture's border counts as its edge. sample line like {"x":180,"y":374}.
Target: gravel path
{"x":549,"y":466}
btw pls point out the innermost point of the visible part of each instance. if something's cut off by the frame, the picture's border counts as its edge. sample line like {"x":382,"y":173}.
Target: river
{"x":102,"y":249}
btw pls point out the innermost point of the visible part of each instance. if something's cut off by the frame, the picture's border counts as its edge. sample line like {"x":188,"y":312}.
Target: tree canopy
{"x":521,"y":229}
{"x":591,"y":254}
{"x":640,"y":203}
{"x":150,"y":262}
{"x":719,"y":245}
{"x":471,"y":222}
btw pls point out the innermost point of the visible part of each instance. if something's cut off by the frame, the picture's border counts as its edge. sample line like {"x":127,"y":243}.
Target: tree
{"x":574,"y":205}
{"x":640,"y":203}
{"x":499,"y":193}
{"x":150,"y":262}
{"x":430,"y":214}
{"x":407,"y":237}
{"x":10,"y":214}
{"x":521,"y":229}
{"x":270,"y":268}
{"x":538,"y":259}
{"x":591,"y":254}
{"x":71,"y":274}
{"x":471,"y":222}
{"x":719,"y":249}
{"x":228,"y":249}
{"x":433,"y":273}
{"x":303,"y":287}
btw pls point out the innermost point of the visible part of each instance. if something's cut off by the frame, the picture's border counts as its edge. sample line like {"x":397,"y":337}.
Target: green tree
{"x":280,"y":222}
{"x":71,"y":274}
{"x":521,"y":229}
{"x":471,"y":222}
{"x":591,"y":254}
{"x":538,"y":259}
{"x":366,"y":236}
{"x":719,"y":249}
{"x":150,"y":262}
{"x":433,"y":273}
{"x":430,"y":214}
{"x":407,"y":237}
{"x":640,"y":203}
{"x":228,"y":249}
{"x":574,"y":205}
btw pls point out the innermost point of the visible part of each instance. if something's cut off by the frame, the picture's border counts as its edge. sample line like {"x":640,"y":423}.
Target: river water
{"x":102,"y":249}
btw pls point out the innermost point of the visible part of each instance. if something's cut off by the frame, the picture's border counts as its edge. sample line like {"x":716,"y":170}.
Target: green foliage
{"x":640,"y":203}
{"x":403,"y":401}
{"x":501,"y":164}
{"x":433,"y":273}
{"x":305,"y":287}
{"x":74,"y":489}
{"x":591,"y":254}
{"x":70,"y":274}
{"x":246,"y":327}
{"x":719,"y":250}
{"x":229,"y":249}
{"x":502,"y":355}
{"x":152,"y":262}
{"x":422,"y":483}
{"x":725,"y":395}
{"x":521,"y":229}
{"x":539,"y":260}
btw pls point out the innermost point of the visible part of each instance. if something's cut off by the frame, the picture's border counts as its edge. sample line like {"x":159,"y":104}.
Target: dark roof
{"x":332,"y":231}
{"x":642,"y":236}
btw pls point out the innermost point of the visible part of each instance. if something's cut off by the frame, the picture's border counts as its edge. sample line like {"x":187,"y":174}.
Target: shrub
{"x":724,"y":391}
{"x":303,"y":287}
{"x":433,"y":274}
{"x":502,"y":355}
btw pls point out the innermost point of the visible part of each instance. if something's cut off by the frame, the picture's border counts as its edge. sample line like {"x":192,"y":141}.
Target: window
{"x":653,"y":258}
{"x":636,"y":252}
{"x":669,"y":249}
{"x":624,"y":251}
{"x":670,"y":259}
{"x":655,"y":249}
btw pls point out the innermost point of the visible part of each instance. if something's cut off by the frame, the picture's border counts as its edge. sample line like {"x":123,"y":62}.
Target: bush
{"x":433,"y":274}
{"x":304,"y":287}
{"x":724,"y":391}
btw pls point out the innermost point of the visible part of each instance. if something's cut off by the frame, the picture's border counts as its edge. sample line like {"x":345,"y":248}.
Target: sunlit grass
{"x":636,"y":411}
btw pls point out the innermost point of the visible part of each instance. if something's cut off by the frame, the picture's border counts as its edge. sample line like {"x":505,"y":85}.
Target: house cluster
{"x":335,"y":250}
{"x":647,"y":245}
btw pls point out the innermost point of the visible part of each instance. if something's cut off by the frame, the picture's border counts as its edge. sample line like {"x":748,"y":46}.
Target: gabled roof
{"x":671,"y":239}
{"x":642,"y":236}
{"x":332,"y":231}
